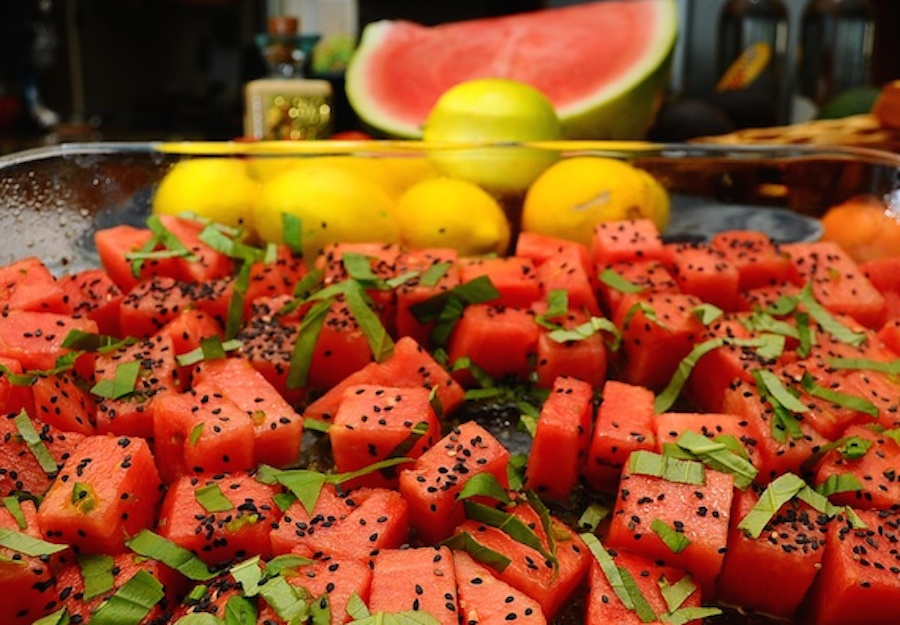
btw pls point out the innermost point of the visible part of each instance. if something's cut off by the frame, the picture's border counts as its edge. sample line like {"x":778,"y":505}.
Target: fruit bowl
{"x":54,"y":198}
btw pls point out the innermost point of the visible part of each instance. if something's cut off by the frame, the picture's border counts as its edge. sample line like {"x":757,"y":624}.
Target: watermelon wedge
{"x":603,"y":65}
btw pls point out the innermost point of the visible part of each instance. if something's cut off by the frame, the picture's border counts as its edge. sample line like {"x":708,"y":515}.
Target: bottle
{"x":752,"y":53}
{"x":836,"y":41}
{"x":286,"y":104}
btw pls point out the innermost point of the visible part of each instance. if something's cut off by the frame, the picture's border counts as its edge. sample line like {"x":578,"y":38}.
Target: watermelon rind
{"x":621,"y":109}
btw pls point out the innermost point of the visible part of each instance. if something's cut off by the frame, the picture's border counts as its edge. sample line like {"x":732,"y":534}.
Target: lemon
{"x":448,"y":212}
{"x":575,"y":194}
{"x":332,"y":204}
{"x":492,"y":110}
{"x":219,"y":189}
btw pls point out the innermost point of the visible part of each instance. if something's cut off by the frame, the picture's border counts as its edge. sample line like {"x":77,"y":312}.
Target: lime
{"x":332,"y":205}
{"x":219,"y":189}
{"x":576,"y":194}
{"x":448,"y":212}
{"x":492,"y":110}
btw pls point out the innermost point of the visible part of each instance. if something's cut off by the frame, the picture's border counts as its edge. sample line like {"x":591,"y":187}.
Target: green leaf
{"x":528,"y":417}
{"x":122,"y":384}
{"x":614,"y":280}
{"x":689,"y":614}
{"x":431,"y":276}
{"x":780,"y":491}
{"x":759,"y":322}
{"x":18,"y":379}
{"x":853,"y":402}
{"x":587,"y":330}
{"x":307,"y":336}
{"x":82,"y":341}
{"x":826,"y":321}
{"x":592,"y":516}
{"x":212,"y":499}
{"x":320,"y":610}
{"x":240,"y":611}
{"x":546,"y":522}
{"x":447,"y":307}
{"x":854,"y":447}
{"x":227,"y":245}
{"x":674,"y":540}
{"x":676,"y":594}
{"x":34,"y":443}
{"x":507,"y":523}
{"x":15,"y":509}
{"x":292,"y":232}
{"x":356,"y":607}
{"x":28,"y":545}
{"x":155,"y":547}
{"x":557,"y":307}
{"x":784,"y":305}
{"x":199,"y":618}
{"x":717,"y":456}
{"x":839,"y":483}
{"x":643,"y":462}
{"x":304,"y":485}
{"x":59,"y":617}
{"x":380,"y":342}
{"x":97,"y":573}
{"x":484,"y":485}
{"x":773,"y":388}
{"x":620,"y":580}
{"x":235,"y":316}
{"x":211,"y":348}
{"x":408,"y":617}
{"x":130,"y":603}
{"x":280,"y":564}
{"x":670,"y":394}
{"x":891,"y":367}
{"x":196,"y":431}
{"x":515,"y":471}
{"x":648,"y":311}
{"x":806,"y":335}
{"x":307,"y":286}
{"x":285,"y":600}
{"x":464,"y":541}
{"x":83,"y":497}
{"x":249,"y":575}
{"x":707,"y":313}
{"x":482,"y":378}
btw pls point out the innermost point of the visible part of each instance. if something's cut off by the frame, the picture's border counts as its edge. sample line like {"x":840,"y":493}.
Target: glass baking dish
{"x":52,"y":199}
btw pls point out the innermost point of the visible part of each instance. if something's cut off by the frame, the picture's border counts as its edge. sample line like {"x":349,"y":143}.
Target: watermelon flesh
{"x":401,"y":69}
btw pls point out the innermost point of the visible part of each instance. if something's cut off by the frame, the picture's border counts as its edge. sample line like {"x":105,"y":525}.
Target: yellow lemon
{"x":219,"y":189}
{"x":448,"y":212}
{"x":332,"y":205}
{"x":575,"y":194}
{"x":492,"y":110}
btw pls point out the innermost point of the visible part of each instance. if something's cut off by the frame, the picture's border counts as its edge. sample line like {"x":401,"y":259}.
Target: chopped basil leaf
{"x":97,"y":574}
{"x":717,"y":456}
{"x":839,"y":483}
{"x":484,"y":485}
{"x":80,"y":340}
{"x":707,"y":313}
{"x":235,"y":315}
{"x":676,"y":594}
{"x":507,"y":523}
{"x":18,"y":379}
{"x":620,"y":580}
{"x":212,"y":499}
{"x":320,"y":610}
{"x":15,"y":510}
{"x":280,"y":564}
{"x":304,"y":485}
{"x":464,"y":541}
{"x":431,"y":276}
{"x":515,"y":471}
{"x":380,"y":342}
{"x":784,"y":305}
{"x":641,"y":607}
{"x":316,"y":425}
{"x":308,"y":285}
{"x":482,"y":378}
{"x":307,"y":336}
{"x":400,"y":280}
{"x":673,"y":539}
{"x":854,"y":447}
{"x":83,"y":497}
{"x":196,"y":595}
{"x":285,"y":600}
{"x":227,"y":245}
{"x":826,"y":321}
{"x":130,"y":603}
{"x":28,"y":545}
{"x":763,"y":322}
{"x":447,"y":307}
{"x":592,"y":516}
{"x":155,"y":547}
{"x":643,"y":462}
{"x":546,"y":521}
{"x":60,"y":617}
{"x":853,"y":402}
{"x":806,"y":335}
{"x":292,"y":232}
{"x":891,"y":367}
{"x":211,"y":348}
{"x":772,"y":390}
{"x":356,"y":607}
{"x":240,"y":611}
{"x":528,"y":418}
{"x":249,"y":575}
{"x":557,"y":306}
{"x":586,"y":330}
{"x":614,"y":280}
{"x":123,"y":383}
{"x":196,"y":431}
{"x":689,"y":614}
{"x":408,"y":617}
{"x":648,"y":311}
{"x":780,"y":491}
{"x":670,"y":394}
{"x":34,"y":443}
{"x":359,"y":268}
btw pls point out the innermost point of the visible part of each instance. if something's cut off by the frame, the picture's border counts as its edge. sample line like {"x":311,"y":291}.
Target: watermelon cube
{"x":629,"y":240}
{"x":27,"y":284}
{"x":561,"y":439}
{"x":481,"y":592}
{"x":27,"y":582}
{"x":374,"y":423}
{"x":699,"y":513}
{"x":706,"y":273}
{"x":501,"y":341}
{"x":624,"y":423}
{"x":759,"y":260}
{"x":516,"y":279}
{"x":107,"y":491}
{"x":419,"y":580}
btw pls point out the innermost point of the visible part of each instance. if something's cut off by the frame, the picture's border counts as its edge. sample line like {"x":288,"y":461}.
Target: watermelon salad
{"x":205,"y":432}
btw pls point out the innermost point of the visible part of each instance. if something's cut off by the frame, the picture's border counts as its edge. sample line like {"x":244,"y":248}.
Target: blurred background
{"x":162,"y":69}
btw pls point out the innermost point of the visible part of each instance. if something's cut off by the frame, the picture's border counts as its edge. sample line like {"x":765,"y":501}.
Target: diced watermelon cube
{"x":501,"y":341}
{"x":704,"y":272}
{"x":27,"y":582}
{"x":27,"y":284}
{"x":92,"y":293}
{"x":481,"y":593}
{"x":107,"y":491}
{"x":629,"y":240}
{"x":420,"y":580}
{"x":758,"y":259}
{"x":516,"y":279}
